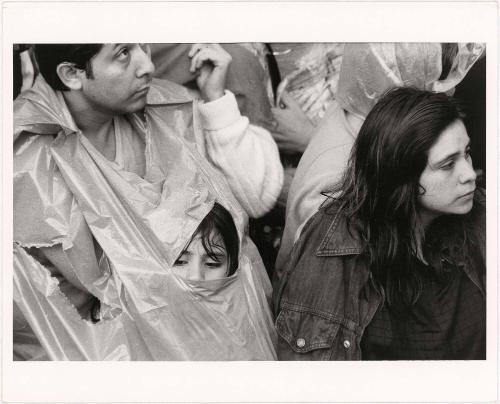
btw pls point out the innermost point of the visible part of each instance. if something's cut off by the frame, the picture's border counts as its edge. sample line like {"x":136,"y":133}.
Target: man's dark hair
{"x":49,"y":56}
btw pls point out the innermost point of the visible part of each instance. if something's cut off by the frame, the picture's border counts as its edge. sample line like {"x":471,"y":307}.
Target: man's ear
{"x":70,"y":75}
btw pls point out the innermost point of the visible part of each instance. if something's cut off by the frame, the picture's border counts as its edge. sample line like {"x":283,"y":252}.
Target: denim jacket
{"x":326,"y":296}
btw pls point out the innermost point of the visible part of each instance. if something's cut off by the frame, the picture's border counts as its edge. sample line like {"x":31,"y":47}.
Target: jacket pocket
{"x":305,"y":335}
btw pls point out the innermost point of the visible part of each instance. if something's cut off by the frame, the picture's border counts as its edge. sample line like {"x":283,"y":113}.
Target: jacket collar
{"x":42,"y":110}
{"x":340,"y":239}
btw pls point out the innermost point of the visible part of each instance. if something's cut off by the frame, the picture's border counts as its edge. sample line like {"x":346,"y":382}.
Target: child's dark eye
{"x":213,"y":264}
{"x":180,"y":262}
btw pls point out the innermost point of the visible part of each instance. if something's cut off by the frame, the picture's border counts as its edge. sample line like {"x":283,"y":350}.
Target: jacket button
{"x":301,"y":342}
{"x":347,"y":344}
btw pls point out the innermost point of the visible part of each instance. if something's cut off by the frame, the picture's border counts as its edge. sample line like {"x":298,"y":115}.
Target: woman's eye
{"x":448,"y":166}
{"x":213,"y":264}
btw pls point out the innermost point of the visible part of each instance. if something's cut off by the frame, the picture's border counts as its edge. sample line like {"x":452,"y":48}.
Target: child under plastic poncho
{"x":211,"y":254}
{"x":69,"y":196}
{"x":150,"y":307}
{"x":219,"y":312}
{"x":211,"y":303}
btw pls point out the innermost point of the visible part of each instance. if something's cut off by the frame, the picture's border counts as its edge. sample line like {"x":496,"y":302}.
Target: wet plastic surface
{"x":370,"y":69}
{"x":66,"y":193}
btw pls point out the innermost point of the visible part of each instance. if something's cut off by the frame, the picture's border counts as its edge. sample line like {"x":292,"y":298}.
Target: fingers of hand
{"x":282,"y":115}
{"x":195,"y":48}
{"x":224,"y":55}
{"x":290,"y":102}
{"x":198,"y":59}
{"x":286,"y":99}
{"x":276,"y":112}
{"x":203,"y":53}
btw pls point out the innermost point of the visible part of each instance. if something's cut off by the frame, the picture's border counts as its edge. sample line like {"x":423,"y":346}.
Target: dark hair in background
{"x":18,"y":76}
{"x":448,"y":54}
{"x":380,"y":188}
{"x":49,"y":56}
{"x":216,"y":225}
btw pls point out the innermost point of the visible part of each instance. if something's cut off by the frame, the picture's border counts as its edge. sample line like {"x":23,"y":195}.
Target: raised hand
{"x":293,"y":128}
{"x":210,"y":63}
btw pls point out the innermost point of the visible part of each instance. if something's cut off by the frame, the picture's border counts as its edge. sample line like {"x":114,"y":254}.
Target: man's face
{"x":120,"y":81}
{"x":448,"y":179}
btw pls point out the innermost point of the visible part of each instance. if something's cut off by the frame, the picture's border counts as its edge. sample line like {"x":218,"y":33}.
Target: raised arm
{"x":246,"y":154}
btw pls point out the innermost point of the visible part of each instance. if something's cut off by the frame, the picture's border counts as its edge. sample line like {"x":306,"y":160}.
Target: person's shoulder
{"x":331,"y":126}
{"x":28,"y":147}
{"x":323,"y":217}
{"x":330,"y":230}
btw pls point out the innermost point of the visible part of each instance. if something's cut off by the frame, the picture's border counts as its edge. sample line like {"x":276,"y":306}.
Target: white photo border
{"x":203,"y":21}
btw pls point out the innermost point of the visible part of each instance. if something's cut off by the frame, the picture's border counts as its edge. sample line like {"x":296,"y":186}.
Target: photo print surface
{"x":214,"y":201}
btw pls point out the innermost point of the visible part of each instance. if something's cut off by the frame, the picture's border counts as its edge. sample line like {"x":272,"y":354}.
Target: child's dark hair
{"x":217,"y":225}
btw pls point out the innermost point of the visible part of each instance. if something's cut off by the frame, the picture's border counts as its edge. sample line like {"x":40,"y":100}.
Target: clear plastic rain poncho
{"x":66,"y":192}
{"x":370,"y":69}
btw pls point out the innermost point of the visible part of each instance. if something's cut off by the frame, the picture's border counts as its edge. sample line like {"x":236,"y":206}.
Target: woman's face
{"x":448,"y":179}
{"x":195,"y":264}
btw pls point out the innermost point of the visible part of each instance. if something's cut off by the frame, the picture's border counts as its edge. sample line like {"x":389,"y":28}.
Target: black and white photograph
{"x":237,"y":203}
{"x":132,"y":238}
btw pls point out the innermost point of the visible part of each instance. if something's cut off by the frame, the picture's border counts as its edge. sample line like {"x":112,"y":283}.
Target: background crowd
{"x":312,"y":98}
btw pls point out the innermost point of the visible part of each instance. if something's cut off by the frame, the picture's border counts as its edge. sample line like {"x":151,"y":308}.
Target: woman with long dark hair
{"x":394,"y":265}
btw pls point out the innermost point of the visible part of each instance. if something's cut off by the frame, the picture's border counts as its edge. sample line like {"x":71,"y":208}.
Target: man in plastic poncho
{"x":113,"y":171}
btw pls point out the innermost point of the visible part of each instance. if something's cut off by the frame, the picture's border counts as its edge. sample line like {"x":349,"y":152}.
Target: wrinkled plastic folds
{"x":66,"y":192}
{"x":369,"y":69}
{"x":310,"y":73}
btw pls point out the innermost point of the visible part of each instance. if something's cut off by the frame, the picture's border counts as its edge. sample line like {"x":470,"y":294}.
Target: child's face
{"x":196,"y":265}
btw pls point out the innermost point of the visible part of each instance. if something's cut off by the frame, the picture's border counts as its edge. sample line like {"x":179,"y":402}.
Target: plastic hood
{"x":370,"y":69}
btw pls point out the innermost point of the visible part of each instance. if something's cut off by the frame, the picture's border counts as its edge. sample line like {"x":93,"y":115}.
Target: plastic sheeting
{"x":310,"y":73}
{"x":368,"y":70}
{"x":66,"y":193}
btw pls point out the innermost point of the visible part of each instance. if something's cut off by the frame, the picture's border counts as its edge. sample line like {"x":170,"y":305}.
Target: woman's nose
{"x":467,"y":174}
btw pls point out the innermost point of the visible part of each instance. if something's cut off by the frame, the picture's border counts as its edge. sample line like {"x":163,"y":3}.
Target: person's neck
{"x":96,"y":126}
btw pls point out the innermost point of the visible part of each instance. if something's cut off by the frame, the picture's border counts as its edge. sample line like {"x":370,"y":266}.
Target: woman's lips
{"x":468,"y":194}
